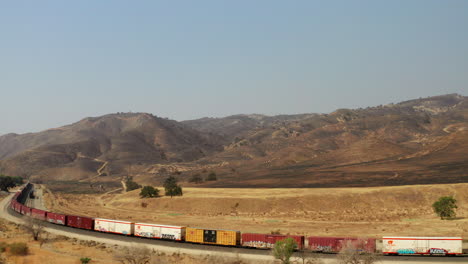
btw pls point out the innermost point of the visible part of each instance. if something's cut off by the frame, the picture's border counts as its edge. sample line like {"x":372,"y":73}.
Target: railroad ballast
{"x":448,"y":246}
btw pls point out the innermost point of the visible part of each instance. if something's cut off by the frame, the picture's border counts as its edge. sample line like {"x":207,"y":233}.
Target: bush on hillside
{"x":7,"y":182}
{"x":445,"y":206}
{"x":85,"y":260}
{"x":149,"y":192}
{"x":284,"y":249}
{"x":211,"y":176}
{"x":171,"y":187}
{"x":131,"y":185}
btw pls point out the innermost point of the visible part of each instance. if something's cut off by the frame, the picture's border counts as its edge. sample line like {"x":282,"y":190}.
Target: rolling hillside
{"x":418,"y":141}
{"x":413,"y":142}
{"x":79,"y":150}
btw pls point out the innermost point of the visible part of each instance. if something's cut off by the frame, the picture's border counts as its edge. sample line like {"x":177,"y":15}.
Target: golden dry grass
{"x":374,"y":212}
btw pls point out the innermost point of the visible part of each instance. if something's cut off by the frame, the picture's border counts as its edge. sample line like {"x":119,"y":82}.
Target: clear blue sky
{"x":61,"y":61}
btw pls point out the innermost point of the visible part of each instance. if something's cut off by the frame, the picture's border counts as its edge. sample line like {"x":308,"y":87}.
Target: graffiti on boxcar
{"x":406,"y":251}
{"x":145,"y":234}
{"x":168,"y":236}
{"x":437,"y":251}
{"x":323,"y":248}
{"x":258,"y":244}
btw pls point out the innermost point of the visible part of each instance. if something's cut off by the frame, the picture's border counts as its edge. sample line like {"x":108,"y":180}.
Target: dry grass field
{"x":53,"y":249}
{"x":366,"y":212}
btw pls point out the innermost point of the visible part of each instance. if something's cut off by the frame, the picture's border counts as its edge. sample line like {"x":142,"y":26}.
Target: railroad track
{"x":197,"y":249}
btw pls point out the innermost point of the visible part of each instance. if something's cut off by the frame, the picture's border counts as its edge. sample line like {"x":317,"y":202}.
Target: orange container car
{"x":212,"y":236}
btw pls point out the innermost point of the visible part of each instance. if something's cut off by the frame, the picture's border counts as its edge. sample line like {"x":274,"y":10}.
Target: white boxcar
{"x":160,"y":231}
{"x":113,"y":226}
{"x":422,"y":245}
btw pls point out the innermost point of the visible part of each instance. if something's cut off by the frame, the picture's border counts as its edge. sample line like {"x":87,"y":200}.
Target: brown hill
{"x":80,"y":149}
{"x":418,"y":141}
{"x":414,"y":142}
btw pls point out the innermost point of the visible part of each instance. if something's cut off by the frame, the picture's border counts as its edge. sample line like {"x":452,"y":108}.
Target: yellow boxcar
{"x":212,"y":236}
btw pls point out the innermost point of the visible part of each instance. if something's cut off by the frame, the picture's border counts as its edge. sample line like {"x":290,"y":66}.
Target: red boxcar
{"x":80,"y":222}
{"x":335,"y":244}
{"x":13,"y":204}
{"x":18,"y":207}
{"x":55,"y":218}
{"x":26,"y":210}
{"x":38,"y":214}
{"x":267,"y":240}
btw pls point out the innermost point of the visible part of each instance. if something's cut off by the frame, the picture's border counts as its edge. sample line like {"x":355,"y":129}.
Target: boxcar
{"x":55,"y":218}
{"x":160,"y":231}
{"x":18,"y":207}
{"x":114,"y":226}
{"x":422,"y":245}
{"x":80,"y":222}
{"x":38,"y":214}
{"x":335,"y":244}
{"x":212,"y":236}
{"x":13,"y":204}
{"x":26,"y":210}
{"x":268,"y":240}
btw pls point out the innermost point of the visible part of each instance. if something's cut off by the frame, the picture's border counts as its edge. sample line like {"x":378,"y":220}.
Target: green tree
{"x":445,"y":206}
{"x":131,"y":185}
{"x":7,"y":182}
{"x":211,"y":176}
{"x":149,"y":192}
{"x":171,"y":188}
{"x":284,"y":249}
{"x":17,"y":180}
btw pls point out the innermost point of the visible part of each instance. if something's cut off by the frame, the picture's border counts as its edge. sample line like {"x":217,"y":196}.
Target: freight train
{"x":448,"y":246}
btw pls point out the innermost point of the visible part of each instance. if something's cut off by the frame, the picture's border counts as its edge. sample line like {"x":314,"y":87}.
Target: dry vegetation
{"x":423,"y":141}
{"x":63,"y":250}
{"x":18,"y":247}
{"x":370,"y":212}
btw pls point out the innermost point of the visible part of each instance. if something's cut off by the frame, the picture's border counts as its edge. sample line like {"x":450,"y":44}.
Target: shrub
{"x":7,"y":182}
{"x":355,"y":253}
{"x":35,"y":227}
{"x":131,"y":185}
{"x":284,"y":249}
{"x":149,"y":192}
{"x":85,"y":260}
{"x":171,"y":187}
{"x":19,"y":249}
{"x":211,"y":176}
{"x":445,"y":206}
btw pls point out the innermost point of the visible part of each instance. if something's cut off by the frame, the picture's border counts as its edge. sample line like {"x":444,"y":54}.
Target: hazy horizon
{"x":62,"y":62}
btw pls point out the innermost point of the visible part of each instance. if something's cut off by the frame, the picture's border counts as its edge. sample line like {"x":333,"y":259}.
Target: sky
{"x":61,"y":61}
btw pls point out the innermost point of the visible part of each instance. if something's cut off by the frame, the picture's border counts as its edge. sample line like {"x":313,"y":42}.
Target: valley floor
{"x":361,"y":212}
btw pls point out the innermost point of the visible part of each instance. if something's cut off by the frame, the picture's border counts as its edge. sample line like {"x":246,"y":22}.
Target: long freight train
{"x":448,"y":246}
